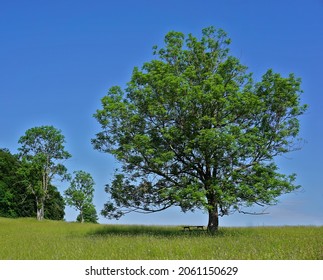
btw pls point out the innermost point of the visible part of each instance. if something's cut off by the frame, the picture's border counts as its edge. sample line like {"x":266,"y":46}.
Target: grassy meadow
{"x":28,"y":239}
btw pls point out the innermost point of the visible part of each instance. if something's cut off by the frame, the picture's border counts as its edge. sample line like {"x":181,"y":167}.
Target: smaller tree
{"x":89,"y":215}
{"x":80,"y":194}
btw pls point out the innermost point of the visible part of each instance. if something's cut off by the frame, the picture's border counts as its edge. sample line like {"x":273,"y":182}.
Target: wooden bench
{"x":189,"y":228}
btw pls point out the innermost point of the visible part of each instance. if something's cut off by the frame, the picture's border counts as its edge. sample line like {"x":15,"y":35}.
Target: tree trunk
{"x":40,"y":214}
{"x":40,"y":209}
{"x":82,"y":218}
{"x":213,"y":224}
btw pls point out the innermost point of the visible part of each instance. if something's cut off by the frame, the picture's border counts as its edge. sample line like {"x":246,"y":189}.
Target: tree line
{"x":26,"y":179}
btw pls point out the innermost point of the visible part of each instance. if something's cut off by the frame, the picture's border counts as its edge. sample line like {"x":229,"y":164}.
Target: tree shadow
{"x":143,"y":230}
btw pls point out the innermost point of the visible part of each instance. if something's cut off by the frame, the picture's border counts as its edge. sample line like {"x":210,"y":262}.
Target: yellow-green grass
{"x":22,"y":239}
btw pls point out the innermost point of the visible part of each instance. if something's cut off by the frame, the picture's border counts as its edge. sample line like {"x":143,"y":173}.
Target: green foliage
{"x":80,"y":196}
{"x":44,"y":141}
{"x":89,"y":215}
{"x":16,"y":199}
{"x":193,"y":129}
{"x":42,"y":149}
{"x":8,"y":166}
{"x":55,"y":205}
{"x":74,"y":241}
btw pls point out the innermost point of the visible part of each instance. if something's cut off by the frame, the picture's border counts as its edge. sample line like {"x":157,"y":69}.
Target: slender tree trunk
{"x":82,"y":218}
{"x":40,"y":209}
{"x":213,"y":224}
{"x":45,"y":190}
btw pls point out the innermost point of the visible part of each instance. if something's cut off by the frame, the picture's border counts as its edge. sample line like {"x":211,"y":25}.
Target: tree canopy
{"x":193,"y":129}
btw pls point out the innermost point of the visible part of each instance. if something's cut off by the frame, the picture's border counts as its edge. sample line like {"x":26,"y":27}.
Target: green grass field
{"x":22,"y":239}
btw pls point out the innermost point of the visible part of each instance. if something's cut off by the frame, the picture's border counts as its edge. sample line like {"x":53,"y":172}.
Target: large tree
{"x":193,"y":129}
{"x":42,"y":151}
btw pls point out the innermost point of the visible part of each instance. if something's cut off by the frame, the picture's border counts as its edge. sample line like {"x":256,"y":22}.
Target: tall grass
{"x":29,"y":239}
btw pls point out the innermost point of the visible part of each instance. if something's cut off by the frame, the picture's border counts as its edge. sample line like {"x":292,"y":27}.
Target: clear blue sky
{"x":59,"y":58}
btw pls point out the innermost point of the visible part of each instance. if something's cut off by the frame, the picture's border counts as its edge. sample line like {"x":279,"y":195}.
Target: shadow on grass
{"x":139,"y":230}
